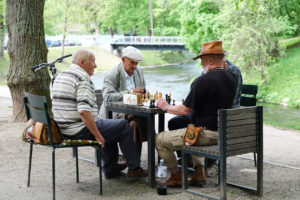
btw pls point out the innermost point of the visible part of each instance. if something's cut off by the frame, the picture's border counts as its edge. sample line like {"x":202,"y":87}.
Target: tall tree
{"x":67,"y":4}
{"x":150,"y":2}
{"x":2,"y":34}
{"x":27,"y":47}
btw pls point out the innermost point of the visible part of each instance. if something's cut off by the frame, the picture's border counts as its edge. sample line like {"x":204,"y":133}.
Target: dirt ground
{"x":281,"y":170}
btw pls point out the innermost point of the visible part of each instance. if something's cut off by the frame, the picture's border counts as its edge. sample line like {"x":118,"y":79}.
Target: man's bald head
{"x":83,"y":55}
{"x":86,"y":60}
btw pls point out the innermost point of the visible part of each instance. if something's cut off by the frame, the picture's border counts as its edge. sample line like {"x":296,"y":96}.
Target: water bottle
{"x":162,"y":175}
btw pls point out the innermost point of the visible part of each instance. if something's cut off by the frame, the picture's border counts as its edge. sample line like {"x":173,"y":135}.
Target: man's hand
{"x":138,"y":90}
{"x":99,"y":138}
{"x":88,"y":120}
{"x":162,"y":104}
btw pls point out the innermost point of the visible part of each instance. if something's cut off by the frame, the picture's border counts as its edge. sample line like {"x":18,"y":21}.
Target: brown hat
{"x":214,"y":47}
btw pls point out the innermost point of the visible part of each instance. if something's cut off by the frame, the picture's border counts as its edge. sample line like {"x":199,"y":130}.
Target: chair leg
{"x":100,"y":169}
{"x":53,"y":173}
{"x":75,"y":150}
{"x":254,"y":156}
{"x":223,"y":181}
{"x":29,"y":166}
{"x":184,"y":170}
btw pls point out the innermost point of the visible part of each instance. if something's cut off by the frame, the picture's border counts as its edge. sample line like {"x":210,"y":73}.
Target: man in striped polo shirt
{"x":75,"y":111}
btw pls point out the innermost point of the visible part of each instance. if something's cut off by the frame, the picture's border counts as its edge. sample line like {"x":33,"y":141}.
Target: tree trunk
{"x":65,"y":29}
{"x":1,"y":38}
{"x":27,"y":47}
{"x":1,"y":32}
{"x":151,"y":17}
{"x":111,"y":32}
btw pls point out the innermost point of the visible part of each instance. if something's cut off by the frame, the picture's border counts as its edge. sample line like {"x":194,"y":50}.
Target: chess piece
{"x":152,"y":103}
{"x":173,"y":103}
{"x":160,"y":95}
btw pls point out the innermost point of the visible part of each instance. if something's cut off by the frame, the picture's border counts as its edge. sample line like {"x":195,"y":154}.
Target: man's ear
{"x":123,"y":59}
{"x":81,"y":62}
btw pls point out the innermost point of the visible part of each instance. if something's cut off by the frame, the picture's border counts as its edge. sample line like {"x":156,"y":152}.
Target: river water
{"x":176,"y":80}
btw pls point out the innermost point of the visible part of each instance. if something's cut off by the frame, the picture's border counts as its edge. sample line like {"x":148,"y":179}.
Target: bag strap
{"x":26,"y":135}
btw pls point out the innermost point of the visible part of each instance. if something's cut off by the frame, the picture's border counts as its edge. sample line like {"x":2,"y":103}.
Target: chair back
{"x":240,"y":129}
{"x":248,"y":97}
{"x":99,"y":98}
{"x":37,"y":109}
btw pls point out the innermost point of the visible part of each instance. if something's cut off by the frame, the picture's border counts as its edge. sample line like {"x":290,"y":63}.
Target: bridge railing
{"x":148,"y":40}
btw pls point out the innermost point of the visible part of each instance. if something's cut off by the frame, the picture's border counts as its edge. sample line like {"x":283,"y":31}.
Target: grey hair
{"x":81,"y":54}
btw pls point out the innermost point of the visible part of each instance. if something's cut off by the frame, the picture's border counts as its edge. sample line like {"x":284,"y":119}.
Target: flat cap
{"x":132,"y":53}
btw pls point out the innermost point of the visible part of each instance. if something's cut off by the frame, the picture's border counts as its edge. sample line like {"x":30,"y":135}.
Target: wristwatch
{"x":166,"y":108}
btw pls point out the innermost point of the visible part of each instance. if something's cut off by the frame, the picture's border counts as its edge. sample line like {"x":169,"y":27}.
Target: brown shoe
{"x":136,"y":174}
{"x":174,"y":180}
{"x":198,"y":178}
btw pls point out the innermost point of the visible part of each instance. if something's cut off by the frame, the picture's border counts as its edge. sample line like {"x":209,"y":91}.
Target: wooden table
{"x":148,"y":113}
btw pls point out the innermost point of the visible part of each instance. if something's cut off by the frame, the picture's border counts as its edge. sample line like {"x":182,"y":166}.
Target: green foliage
{"x":290,"y":9}
{"x":166,"y":17}
{"x":251,"y":35}
{"x":127,"y":16}
{"x":283,"y":80}
{"x":53,"y":17}
{"x":162,"y":57}
{"x":4,"y":67}
{"x":289,"y":42}
{"x":198,"y":22}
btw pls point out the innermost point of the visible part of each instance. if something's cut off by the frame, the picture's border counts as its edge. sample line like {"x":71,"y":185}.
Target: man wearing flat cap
{"x":208,"y":93}
{"x":127,"y":77}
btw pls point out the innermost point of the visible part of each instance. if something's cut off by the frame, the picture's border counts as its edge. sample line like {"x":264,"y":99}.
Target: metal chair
{"x":248,"y":98}
{"x":240,"y":132}
{"x":37,"y":109}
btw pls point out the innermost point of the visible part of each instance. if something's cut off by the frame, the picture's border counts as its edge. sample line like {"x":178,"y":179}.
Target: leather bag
{"x":38,"y":132}
{"x":192,"y":134}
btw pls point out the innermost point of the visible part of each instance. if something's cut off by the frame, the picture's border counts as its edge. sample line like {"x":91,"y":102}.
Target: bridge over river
{"x":149,"y":43}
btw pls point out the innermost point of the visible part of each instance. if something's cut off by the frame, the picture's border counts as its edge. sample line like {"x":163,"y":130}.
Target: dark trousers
{"x":182,"y":121}
{"x":114,"y":131}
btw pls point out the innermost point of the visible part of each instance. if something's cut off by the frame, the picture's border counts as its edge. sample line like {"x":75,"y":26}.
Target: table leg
{"x":161,"y":127}
{"x":161,"y":122}
{"x":151,"y":149}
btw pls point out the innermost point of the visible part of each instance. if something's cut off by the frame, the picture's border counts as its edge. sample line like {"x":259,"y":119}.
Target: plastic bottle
{"x":162,"y":175}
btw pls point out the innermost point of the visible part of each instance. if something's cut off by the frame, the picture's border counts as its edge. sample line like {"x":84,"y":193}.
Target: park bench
{"x":240,"y":132}
{"x":37,"y":109}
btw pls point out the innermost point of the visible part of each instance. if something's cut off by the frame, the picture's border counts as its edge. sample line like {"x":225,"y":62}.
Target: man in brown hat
{"x":212,"y":91}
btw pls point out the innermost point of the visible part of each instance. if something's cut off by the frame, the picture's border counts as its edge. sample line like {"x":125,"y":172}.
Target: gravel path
{"x":281,"y":169}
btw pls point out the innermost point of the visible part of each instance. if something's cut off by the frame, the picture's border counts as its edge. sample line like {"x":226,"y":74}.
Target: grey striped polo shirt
{"x":73,"y":91}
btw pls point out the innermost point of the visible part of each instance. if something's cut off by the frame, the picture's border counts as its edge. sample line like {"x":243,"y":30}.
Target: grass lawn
{"x":283,"y":80}
{"x":104,"y":59}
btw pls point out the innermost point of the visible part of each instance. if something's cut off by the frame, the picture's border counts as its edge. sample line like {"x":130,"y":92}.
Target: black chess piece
{"x":152,"y":104}
{"x":173,"y":103}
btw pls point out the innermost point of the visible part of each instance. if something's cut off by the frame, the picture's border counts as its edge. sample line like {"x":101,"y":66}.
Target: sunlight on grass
{"x":104,"y":59}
